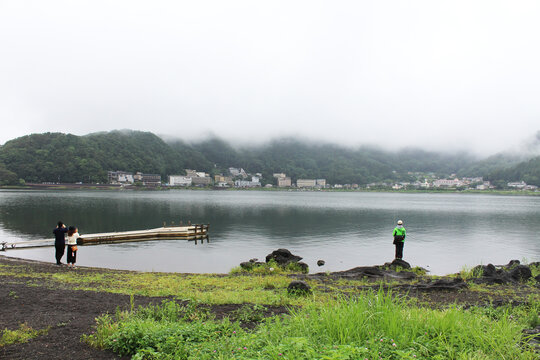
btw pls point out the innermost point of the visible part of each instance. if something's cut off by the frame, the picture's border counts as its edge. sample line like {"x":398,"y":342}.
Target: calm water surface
{"x":444,"y":231}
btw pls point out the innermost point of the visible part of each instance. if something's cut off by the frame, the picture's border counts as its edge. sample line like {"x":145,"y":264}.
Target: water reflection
{"x":446,"y":231}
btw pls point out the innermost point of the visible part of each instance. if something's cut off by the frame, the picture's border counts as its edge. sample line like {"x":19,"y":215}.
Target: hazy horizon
{"x":439,"y":76}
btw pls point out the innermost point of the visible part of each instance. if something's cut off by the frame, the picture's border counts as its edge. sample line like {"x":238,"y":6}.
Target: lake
{"x":445,"y":232}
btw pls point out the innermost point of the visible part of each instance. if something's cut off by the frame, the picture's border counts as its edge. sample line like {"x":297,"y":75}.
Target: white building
{"x":517,"y":185}
{"x":284,"y":182}
{"x":120,"y":177}
{"x":255,"y":182}
{"x":302,"y":183}
{"x":447,"y":182}
{"x":180,"y":180}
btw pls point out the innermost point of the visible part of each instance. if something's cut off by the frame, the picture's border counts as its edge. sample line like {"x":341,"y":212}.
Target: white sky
{"x":434,"y":74}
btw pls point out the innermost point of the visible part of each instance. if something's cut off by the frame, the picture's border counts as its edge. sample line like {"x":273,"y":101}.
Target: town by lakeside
{"x":239,"y":179}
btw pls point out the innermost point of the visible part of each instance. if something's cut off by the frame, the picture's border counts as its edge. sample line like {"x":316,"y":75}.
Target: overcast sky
{"x":434,"y":74}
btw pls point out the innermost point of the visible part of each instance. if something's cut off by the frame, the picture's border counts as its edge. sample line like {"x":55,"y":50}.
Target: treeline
{"x":57,"y":157}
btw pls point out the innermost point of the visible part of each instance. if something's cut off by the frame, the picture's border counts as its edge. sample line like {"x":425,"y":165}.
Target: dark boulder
{"x":298,"y":287}
{"x":248,"y":265}
{"x":537,"y":278}
{"x":512,"y":263}
{"x":399,"y":263}
{"x":303,"y":266}
{"x":282,"y":257}
{"x":488,"y":270}
{"x":510,"y":273}
{"x":320,"y":262}
{"x":521,"y":273}
{"x":361,"y":271}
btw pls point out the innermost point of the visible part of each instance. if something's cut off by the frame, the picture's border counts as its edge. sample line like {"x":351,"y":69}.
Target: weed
{"x":21,"y":335}
{"x":249,"y":313}
{"x":468,"y":273}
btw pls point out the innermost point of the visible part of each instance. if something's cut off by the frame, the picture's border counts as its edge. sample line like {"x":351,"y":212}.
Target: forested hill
{"x":57,"y":157}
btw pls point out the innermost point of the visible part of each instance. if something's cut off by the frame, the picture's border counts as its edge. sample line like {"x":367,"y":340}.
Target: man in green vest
{"x":399,"y":239}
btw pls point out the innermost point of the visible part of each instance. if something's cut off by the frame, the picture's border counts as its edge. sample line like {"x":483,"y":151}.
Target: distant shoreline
{"x":114,"y":187}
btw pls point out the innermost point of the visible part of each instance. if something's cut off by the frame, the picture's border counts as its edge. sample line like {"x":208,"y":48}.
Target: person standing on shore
{"x":72,"y":236}
{"x":399,"y":239}
{"x":60,"y":241}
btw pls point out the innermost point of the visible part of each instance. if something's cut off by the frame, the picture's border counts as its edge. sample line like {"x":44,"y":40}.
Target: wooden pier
{"x":189,"y":232}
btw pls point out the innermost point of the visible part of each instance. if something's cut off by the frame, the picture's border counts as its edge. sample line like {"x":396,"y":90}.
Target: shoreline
{"x":114,"y":187}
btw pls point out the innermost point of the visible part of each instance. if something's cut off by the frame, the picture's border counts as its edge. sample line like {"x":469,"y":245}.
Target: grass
{"x":20,"y":335}
{"x":468,"y":273}
{"x":212,"y":289}
{"x":270,"y":268}
{"x":338,"y":321}
{"x":371,"y":326}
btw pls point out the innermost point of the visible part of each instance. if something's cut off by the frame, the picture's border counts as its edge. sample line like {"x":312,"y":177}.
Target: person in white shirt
{"x":72,"y":236}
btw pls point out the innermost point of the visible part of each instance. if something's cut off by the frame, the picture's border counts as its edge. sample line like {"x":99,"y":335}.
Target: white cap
{"x":399,"y":222}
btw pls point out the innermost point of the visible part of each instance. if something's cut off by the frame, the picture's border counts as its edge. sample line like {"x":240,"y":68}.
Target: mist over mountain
{"x":58,"y":157}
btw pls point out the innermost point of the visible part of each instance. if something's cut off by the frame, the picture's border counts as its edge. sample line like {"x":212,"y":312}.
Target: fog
{"x":439,"y":75}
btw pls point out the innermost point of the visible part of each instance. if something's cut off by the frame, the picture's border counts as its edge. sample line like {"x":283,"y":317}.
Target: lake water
{"x":445,"y":232}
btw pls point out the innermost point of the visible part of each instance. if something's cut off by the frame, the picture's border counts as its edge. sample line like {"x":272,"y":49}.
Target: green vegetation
{"x":528,"y":171}
{"x":371,"y":325}
{"x":21,"y":335}
{"x":57,"y":157}
{"x":341,"y":319}
{"x":269,"y":268}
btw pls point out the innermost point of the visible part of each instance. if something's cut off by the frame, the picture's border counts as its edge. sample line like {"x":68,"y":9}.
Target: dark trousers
{"x":71,"y":255}
{"x":399,"y":249}
{"x":59,"y":252}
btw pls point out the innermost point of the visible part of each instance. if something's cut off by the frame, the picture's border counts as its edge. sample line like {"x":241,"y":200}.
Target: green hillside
{"x":57,"y":157}
{"x":528,"y":171}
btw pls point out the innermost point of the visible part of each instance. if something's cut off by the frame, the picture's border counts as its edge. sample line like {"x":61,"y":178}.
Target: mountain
{"x":528,"y":171}
{"x":57,"y":157}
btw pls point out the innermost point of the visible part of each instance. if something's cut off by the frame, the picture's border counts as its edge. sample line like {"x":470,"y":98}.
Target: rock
{"x":512,"y":272}
{"x":485,"y":270}
{"x":512,"y":263}
{"x":521,"y":273}
{"x":282,"y":257}
{"x":400,"y":263}
{"x":320,"y":262}
{"x":248,"y":265}
{"x":298,"y":287}
{"x":361,"y":271}
{"x":303,"y":266}
{"x":444,"y":284}
{"x":537,"y":278}
{"x":254,"y":260}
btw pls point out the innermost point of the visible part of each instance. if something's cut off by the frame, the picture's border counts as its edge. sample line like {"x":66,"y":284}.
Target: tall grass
{"x":372,"y":326}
